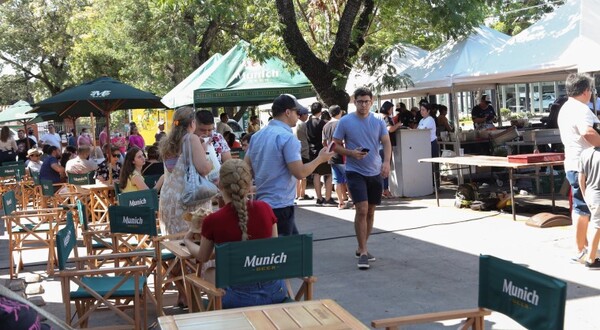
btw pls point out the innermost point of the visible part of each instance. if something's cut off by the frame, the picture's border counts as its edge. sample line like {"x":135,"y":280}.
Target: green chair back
{"x":48,"y":188}
{"x":82,"y":214}
{"x":132,"y":220}
{"x":35,"y":176}
{"x":65,"y":242}
{"x":263,"y":260}
{"x":535,"y":300}
{"x":16,"y":171}
{"x":15,"y":163}
{"x":9,"y":202}
{"x":147,"y":197}
{"x":80,"y":179}
{"x":151,"y":180}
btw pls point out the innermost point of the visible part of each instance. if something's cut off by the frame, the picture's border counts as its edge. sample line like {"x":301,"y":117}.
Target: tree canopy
{"x":153,"y":45}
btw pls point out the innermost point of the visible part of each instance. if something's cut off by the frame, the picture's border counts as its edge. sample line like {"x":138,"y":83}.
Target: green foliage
{"x":512,"y":17}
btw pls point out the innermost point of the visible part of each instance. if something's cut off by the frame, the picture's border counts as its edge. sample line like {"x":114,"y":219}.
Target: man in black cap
{"x":274,"y":156}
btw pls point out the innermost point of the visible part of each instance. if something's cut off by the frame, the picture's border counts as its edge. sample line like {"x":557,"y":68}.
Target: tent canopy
{"x":435,"y":73}
{"x":183,"y":93}
{"x":562,"y":42}
{"x":403,"y":56}
{"x":235,"y":79}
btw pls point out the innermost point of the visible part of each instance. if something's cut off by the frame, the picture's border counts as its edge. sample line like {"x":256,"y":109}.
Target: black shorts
{"x":364,"y":188}
{"x":323,"y":169}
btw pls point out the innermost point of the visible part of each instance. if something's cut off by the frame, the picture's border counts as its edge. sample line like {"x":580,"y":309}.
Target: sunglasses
{"x":116,"y":155}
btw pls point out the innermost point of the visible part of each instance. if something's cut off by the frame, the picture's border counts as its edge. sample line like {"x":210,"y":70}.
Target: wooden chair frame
{"x":28,"y":230}
{"x":93,"y":300}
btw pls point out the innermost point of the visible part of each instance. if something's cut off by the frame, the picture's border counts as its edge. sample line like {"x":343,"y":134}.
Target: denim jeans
{"x":263,"y":293}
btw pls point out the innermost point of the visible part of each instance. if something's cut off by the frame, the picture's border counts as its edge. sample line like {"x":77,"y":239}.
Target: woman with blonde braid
{"x":239,"y":220}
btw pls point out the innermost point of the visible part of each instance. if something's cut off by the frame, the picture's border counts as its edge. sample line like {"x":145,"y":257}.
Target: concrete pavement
{"x":427,"y":260}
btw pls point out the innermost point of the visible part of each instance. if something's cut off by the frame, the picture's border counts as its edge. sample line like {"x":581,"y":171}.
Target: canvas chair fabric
{"x":255,"y":261}
{"x":533,"y":299}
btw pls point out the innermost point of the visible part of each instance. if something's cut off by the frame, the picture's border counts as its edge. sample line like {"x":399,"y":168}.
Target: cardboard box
{"x":536,"y":158}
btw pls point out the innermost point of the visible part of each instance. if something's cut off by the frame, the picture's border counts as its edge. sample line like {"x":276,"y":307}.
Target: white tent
{"x":566,"y":40}
{"x":401,"y":58}
{"x":435,"y":73}
{"x":183,"y":93}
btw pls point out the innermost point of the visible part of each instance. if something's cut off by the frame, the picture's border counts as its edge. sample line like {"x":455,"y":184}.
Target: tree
{"x":512,"y":17}
{"x":35,"y":41}
{"x":327,"y":40}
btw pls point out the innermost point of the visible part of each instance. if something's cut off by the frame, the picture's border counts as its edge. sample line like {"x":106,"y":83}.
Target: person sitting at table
{"x":115,"y":166}
{"x":239,"y":219}
{"x":131,"y":173}
{"x":153,"y":165}
{"x":34,"y":163}
{"x":51,"y":168}
{"x":81,"y":164}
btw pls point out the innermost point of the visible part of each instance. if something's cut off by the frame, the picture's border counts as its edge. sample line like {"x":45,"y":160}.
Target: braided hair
{"x":236,"y":180}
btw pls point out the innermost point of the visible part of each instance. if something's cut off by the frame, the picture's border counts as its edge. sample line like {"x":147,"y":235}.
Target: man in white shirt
{"x":222,"y":126}
{"x":51,"y":138}
{"x":81,"y":164}
{"x":576,"y":125}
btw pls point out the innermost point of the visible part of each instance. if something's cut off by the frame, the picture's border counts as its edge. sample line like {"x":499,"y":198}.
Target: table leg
{"x":552,"y":186}
{"x":512,"y":193}
{"x":435,"y":186}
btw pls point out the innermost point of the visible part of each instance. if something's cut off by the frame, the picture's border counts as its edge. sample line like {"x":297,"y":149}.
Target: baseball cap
{"x":287,"y":101}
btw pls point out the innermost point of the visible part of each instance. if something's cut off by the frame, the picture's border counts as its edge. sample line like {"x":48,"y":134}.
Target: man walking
{"x":362,"y":132}
{"x":314,"y":133}
{"x":576,"y":125}
{"x":274,"y":156}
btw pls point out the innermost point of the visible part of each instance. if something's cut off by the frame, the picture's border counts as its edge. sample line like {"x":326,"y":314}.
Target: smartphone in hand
{"x":364,"y":150}
{"x":331,"y":147}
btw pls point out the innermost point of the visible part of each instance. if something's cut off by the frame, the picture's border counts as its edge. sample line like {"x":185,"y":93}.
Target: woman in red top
{"x":239,"y":220}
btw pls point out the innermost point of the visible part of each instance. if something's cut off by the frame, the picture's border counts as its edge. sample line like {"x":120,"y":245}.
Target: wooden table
{"x":314,"y":314}
{"x":101,"y":197}
{"x":493,"y":161}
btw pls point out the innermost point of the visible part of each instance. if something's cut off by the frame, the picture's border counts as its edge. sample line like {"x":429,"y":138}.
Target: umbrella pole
{"x":26,"y":135}
{"x":93,"y":130}
{"x":109,"y":154}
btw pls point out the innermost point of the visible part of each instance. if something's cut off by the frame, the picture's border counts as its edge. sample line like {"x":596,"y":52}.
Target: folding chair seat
{"x":28,"y":230}
{"x":96,"y":289}
{"x":507,"y":288}
{"x":234,"y":266}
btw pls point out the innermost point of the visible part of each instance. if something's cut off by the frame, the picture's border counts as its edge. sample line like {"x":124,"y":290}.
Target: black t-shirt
{"x":314,"y":131}
{"x":22,"y":148}
{"x":153,"y":168}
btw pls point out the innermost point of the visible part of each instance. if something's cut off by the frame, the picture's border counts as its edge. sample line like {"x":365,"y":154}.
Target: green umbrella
{"x":100,"y":97}
{"x":18,"y":113}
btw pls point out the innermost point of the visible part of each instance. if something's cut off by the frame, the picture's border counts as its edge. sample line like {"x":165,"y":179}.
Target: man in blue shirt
{"x":358,"y":136}
{"x":51,"y":169}
{"x":274,"y":156}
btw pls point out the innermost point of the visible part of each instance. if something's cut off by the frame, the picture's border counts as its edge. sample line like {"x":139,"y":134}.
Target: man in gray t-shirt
{"x":361,"y":133}
{"x":589,"y":183}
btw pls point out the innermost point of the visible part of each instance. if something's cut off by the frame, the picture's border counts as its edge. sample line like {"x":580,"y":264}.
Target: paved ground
{"x":427,"y":260}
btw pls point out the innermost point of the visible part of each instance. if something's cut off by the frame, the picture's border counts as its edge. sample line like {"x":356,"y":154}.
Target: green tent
{"x":238,"y":80}
{"x":183,"y":93}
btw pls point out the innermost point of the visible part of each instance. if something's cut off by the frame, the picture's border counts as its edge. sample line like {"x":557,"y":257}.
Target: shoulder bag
{"x":197,"y":187}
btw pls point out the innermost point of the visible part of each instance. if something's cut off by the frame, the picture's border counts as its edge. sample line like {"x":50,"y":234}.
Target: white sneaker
{"x":580,"y":257}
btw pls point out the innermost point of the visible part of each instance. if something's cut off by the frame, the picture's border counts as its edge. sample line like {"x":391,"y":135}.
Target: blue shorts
{"x":579,"y":205}
{"x":364,"y":188}
{"x":255,"y":294}
{"x":339,"y":173}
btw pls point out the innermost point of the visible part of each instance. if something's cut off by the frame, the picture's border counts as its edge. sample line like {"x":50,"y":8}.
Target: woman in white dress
{"x":171,"y":148}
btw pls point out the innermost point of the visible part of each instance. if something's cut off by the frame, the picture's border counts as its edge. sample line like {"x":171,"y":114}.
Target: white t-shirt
{"x":51,"y":139}
{"x":428,"y":123}
{"x":574,"y":119}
